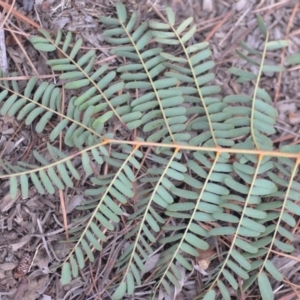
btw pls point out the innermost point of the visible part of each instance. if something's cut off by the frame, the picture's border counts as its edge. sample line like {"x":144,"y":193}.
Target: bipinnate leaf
{"x":162,"y":161}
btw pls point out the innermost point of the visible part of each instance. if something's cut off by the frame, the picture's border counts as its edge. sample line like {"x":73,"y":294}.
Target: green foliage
{"x":211,"y":169}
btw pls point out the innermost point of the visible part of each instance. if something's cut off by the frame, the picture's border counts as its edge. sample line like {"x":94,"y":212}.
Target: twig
{"x":268,"y":8}
{"x":3,"y":56}
{"x":8,"y":14}
{"x":218,"y":26}
{"x":63,"y":209}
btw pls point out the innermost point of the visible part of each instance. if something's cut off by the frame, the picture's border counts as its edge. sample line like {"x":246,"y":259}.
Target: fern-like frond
{"x":160,"y":98}
{"x":192,"y":71}
{"x":119,"y":188}
{"x":78,"y":74}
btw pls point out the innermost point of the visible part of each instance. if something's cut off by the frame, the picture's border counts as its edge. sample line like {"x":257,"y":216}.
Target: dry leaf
{"x":294,"y":118}
{"x":182,"y":271}
{"x":241,"y":4}
{"x":74,"y":202}
{"x":61,"y":249}
{"x":36,"y":288}
{"x":8,"y":202}
{"x":208,"y":5}
{"x":204,"y":258}
{"x":42,"y":260}
{"x":21,"y":243}
{"x":8,"y":266}
{"x":150,"y":264}
{"x":2,"y":274}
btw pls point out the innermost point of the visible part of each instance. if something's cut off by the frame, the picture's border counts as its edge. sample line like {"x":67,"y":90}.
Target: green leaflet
{"x":66,"y":273}
{"x":13,"y":187}
{"x":265,"y":287}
